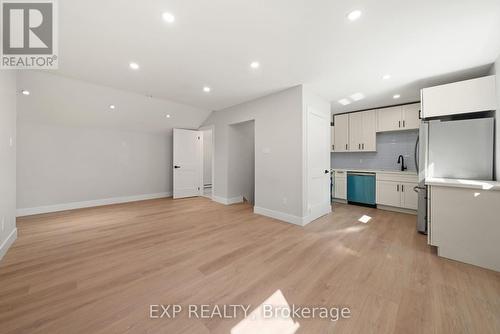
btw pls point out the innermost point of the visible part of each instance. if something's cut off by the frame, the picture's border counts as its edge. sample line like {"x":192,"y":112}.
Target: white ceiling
{"x":296,"y":41}
{"x":57,"y":100}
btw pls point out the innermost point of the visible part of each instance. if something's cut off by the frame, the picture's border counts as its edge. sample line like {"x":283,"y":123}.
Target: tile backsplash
{"x":389,"y":146}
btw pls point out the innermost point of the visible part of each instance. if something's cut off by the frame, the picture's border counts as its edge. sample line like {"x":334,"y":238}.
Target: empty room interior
{"x":250,"y":166}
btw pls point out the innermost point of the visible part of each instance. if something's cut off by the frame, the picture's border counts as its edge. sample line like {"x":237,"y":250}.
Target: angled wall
{"x":74,"y":151}
{"x":8,"y":231}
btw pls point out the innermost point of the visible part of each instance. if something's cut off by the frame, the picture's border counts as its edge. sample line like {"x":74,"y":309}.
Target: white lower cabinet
{"x":388,"y":193}
{"x":409,"y":196}
{"x":396,"y":190}
{"x":340,"y":185}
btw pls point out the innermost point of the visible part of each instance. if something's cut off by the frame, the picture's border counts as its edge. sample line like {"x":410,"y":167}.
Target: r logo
{"x":27,"y":28}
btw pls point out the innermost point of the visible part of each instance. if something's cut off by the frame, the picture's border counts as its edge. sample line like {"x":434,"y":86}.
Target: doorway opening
{"x":208,"y":149}
{"x":241,"y":162}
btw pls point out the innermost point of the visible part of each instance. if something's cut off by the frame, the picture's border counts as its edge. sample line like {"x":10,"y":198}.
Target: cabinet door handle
{"x":363,"y":146}
{"x":404,"y":124}
{"x":402,"y":187}
{"x":346,"y":146}
{"x":399,"y":122}
{"x":397,"y":187}
{"x":359,"y":146}
{"x":333,"y":147}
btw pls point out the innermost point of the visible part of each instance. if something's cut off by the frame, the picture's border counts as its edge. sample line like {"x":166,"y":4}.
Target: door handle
{"x":177,"y":166}
{"x":417,"y":189}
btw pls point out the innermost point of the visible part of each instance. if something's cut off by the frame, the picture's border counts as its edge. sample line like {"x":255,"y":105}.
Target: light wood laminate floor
{"x":97,"y":270}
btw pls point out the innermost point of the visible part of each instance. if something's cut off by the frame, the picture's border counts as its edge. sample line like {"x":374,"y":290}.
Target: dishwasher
{"x":361,"y":188}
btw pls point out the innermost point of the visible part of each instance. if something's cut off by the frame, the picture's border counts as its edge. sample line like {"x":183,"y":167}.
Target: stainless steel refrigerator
{"x":456,"y":149}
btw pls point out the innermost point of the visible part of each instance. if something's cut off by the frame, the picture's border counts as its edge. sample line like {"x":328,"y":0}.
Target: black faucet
{"x":401,"y":160}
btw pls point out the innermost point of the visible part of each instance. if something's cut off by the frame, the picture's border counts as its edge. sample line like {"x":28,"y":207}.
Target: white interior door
{"x":318,"y":162}
{"x":188,"y":163}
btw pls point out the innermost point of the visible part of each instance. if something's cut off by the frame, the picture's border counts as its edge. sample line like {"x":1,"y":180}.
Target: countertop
{"x":460,"y":183}
{"x":390,"y":171}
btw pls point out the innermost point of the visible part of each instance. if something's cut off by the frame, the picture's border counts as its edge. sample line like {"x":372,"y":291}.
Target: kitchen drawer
{"x":398,"y":177}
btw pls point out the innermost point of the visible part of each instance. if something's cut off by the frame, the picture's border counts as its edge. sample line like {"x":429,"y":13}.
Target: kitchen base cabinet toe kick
{"x":386,"y":190}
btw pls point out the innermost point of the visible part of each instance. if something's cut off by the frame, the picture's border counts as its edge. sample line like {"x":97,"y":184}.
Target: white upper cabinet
{"x":362,"y":131}
{"x":355,"y":131}
{"x":460,"y":97}
{"x":341,"y":135}
{"x":397,"y":118}
{"x":369,"y":142}
{"x":411,"y":116}
{"x":332,"y":136}
{"x":389,"y":119}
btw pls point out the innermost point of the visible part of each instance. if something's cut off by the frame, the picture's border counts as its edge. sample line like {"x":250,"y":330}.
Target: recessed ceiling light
{"x":167,"y":115}
{"x":168,"y":17}
{"x":386,"y":77}
{"x":207,"y":89}
{"x":396,"y":96}
{"x":25,"y":92}
{"x":344,"y":102}
{"x":112,"y":107}
{"x":354,"y":15}
{"x":255,"y":64}
{"x":134,"y":66}
{"x":357,"y":96}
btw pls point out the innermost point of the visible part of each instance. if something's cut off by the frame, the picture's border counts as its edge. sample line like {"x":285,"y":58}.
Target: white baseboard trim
{"x":395,"y":209}
{"x":227,"y":201}
{"x":288,"y":218}
{"x":87,"y":204}
{"x":320,"y":211}
{"x":339,"y":200}
{"x":4,"y":247}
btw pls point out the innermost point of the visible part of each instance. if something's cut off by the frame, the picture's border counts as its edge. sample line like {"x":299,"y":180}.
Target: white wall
{"x":8,"y":231}
{"x":73,"y":151}
{"x":241,"y":164}
{"x":61,"y":164}
{"x":278,"y":151}
{"x":207,"y":156}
